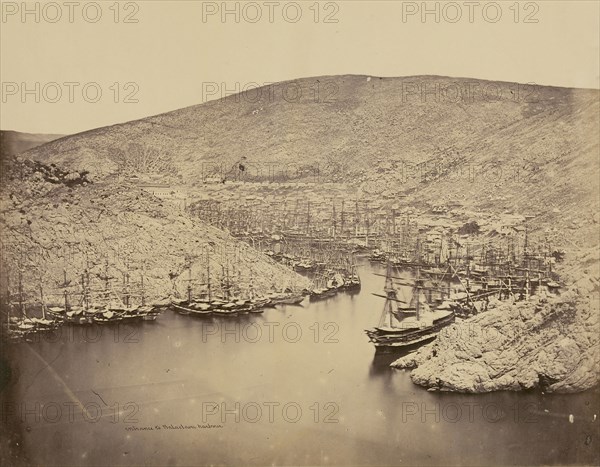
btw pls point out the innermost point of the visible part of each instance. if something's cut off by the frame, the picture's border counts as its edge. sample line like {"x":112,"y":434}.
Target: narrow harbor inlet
{"x":327,"y":233}
{"x":293,"y":385}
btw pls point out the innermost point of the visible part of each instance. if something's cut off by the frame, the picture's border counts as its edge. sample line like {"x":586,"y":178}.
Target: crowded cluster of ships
{"x":225,"y":298}
{"x":452,"y":284}
{"x":425,"y":288}
{"x":93,"y":299}
{"x":77,"y":302}
{"x":431,"y":281}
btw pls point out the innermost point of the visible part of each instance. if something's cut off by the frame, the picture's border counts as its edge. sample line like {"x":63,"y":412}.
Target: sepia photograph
{"x":299,"y":233}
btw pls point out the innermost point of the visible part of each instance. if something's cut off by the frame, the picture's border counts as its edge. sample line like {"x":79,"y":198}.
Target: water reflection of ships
{"x":407,"y":324}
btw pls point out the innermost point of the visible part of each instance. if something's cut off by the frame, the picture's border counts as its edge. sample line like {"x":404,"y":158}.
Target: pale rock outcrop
{"x":553,"y":345}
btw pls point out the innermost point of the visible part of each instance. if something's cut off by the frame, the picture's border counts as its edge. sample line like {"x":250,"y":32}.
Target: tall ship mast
{"x":406,"y":324}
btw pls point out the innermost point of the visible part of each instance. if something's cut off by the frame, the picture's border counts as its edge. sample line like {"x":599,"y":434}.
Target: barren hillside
{"x":53,"y":219}
{"x":538,"y":145}
{"x":488,"y":146}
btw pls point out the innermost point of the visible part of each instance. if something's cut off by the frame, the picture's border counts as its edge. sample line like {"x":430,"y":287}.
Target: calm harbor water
{"x":295,"y":386}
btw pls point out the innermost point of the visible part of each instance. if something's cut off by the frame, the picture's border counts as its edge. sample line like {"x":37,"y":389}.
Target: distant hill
{"x":15,"y":142}
{"x":481,"y":144}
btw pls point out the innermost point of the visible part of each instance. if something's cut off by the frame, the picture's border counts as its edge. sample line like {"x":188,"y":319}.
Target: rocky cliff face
{"x":548,"y":343}
{"x":53,"y":219}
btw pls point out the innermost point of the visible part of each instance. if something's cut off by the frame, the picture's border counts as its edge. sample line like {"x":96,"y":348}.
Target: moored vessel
{"x":407,"y":324}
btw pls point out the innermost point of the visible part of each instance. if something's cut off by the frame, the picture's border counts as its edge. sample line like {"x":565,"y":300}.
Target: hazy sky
{"x":177,"y":48}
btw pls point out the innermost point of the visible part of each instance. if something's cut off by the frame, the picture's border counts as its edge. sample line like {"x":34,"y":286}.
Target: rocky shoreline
{"x":548,"y":343}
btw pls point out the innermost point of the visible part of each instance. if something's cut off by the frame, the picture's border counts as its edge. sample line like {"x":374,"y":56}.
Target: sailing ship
{"x":22,"y":325}
{"x":352,"y":281}
{"x":407,"y":324}
{"x":108,"y":306}
{"x":200,"y":307}
{"x":255,"y":302}
{"x":148,"y":312}
{"x":326,"y":286}
{"x":226,"y":303}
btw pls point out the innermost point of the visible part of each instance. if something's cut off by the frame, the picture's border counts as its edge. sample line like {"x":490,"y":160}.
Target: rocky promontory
{"x":550,"y":343}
